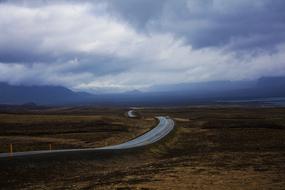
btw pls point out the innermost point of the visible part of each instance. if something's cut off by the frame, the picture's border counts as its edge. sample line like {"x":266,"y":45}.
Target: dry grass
{"x":211,"y":148}
{"x":36,"y":131}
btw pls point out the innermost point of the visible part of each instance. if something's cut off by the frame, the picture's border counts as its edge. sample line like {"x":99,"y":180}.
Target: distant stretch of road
{"x":164,"y":127}
{"x":131,"y":114}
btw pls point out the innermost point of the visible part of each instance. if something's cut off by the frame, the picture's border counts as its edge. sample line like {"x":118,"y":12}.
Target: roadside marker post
{"x":11,"y":148}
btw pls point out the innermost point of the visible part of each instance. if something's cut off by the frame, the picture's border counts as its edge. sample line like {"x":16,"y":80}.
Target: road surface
{"x":161,"y":130}
{"x":164,"y":127}
{"x":131,"y":114}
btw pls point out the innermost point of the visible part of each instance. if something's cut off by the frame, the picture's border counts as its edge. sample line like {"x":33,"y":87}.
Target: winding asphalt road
{"x":131,"y":114}
{"x":164,"y":127}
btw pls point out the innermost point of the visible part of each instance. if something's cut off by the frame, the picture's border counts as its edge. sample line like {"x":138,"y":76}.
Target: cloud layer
{"x":124,"y":45}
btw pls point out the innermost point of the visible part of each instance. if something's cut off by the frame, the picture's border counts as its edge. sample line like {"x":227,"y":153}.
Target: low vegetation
{"x":211,"y":148}
{"x":61,"y":128}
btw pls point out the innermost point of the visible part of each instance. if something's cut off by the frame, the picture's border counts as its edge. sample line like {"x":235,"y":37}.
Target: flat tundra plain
{"x":210,"y":148}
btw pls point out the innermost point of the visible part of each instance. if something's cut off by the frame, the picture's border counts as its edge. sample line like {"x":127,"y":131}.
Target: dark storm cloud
{"x":239,"y":24}
{"x":210,"y":22}
{"x":127,"y":44}
{"x":138,"y":12}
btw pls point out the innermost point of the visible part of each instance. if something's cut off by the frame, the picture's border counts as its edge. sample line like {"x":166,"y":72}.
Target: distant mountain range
{"x":176,"y":94}
{"x":18,"y":94}
{"x":261,"y":88}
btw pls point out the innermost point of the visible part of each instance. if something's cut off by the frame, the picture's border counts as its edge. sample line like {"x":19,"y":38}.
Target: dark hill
{"x":18,"y":94}
{"x":179,"y":94}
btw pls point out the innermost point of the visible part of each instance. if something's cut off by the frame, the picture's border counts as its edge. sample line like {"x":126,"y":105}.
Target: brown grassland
{"x":210,"y":148}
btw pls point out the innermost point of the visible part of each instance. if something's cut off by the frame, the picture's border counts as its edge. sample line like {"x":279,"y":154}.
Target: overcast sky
{"x":121,"y":45}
